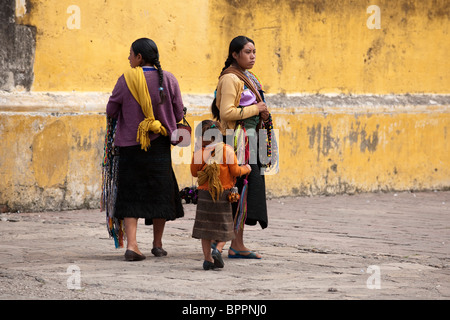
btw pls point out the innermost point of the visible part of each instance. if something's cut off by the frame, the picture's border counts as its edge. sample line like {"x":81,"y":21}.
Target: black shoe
{"x":159,"y":252}
{"x":207,"y":265}
{"x":217,"y":256}
{"x":133,"y":256}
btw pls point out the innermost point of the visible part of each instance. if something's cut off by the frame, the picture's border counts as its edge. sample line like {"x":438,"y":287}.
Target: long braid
{"x":162,"y":95}
{"x":228,"y":63}
{"x":214,"y":109}
{"x":149,"y":51}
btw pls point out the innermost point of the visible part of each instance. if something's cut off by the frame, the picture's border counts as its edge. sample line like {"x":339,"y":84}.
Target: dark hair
{"x":236,"y":45}
{"x":149,"y":52}
{"x":204,"y":126}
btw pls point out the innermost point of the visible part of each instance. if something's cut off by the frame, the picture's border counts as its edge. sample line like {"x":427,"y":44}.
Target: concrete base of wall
{"x":51,"y":146}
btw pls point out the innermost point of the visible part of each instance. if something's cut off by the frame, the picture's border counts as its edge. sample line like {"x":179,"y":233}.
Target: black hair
{"x":204,"y":126}
{"x":236,"y":45}
{"x":149,"y":52}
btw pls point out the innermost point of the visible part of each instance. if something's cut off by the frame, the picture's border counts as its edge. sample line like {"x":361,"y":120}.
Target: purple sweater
{"x":128,"y":112}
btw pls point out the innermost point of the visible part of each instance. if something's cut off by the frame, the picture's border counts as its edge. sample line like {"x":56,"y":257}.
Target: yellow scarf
{"x":137,"y":84}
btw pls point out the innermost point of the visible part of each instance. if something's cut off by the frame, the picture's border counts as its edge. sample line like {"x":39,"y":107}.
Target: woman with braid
{"x":146,"y":101}
{"x":240,"y":104}
{"x":215,"y":165}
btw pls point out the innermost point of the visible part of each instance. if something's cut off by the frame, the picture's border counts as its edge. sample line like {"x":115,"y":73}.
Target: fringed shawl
{"x":137,"y":84}
{"x":110,"y":170}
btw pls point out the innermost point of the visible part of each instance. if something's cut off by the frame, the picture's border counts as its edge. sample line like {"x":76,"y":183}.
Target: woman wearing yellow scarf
{"x":147,"y":104}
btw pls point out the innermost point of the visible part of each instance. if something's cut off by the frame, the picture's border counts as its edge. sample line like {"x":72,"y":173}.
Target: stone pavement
{"x":367,"y":246}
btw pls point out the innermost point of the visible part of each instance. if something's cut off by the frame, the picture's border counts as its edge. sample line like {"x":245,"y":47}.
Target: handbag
{"x":185,"y":128}
{"x":234,"y":195}
{"x":189,"y":194}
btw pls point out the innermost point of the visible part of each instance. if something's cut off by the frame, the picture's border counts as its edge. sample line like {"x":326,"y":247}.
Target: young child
{"x":216,"y":166}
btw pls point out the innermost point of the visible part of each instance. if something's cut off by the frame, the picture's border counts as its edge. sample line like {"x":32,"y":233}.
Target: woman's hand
{"x":261,"y":107}
{"x":265,"y":115}
{"x":263,"y":111}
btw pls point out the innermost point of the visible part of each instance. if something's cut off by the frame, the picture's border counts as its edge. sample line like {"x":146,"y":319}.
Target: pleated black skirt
{"x":147,"y":186}
{"x":256,"y":197}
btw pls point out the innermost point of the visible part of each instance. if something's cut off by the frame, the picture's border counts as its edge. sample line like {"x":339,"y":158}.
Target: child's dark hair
{"x":236,"y":45}
{"x":204,"y":126}
{"x":149,"y":52}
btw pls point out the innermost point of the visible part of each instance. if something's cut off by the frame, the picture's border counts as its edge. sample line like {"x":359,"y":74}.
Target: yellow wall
{"x":53,"y":160}
{"x":50,"y":162}
{"x":373,"y":150}
{"x":51,"y":144}
{"x":335,"y":150}
{"x":313,"y":46}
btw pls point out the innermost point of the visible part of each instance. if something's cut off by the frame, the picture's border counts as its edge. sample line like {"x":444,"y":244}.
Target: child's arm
{"x":241,"y":170}
{"x":235,"y":169}
{"x":197,"y":162}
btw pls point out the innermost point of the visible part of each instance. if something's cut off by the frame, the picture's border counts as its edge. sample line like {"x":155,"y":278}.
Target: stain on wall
{"x":334,"y":152}
{"x":18,"y":44}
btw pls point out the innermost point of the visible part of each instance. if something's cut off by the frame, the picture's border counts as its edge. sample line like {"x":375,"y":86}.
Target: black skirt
{"x":256,"y":197}
{"x":147,"y":186}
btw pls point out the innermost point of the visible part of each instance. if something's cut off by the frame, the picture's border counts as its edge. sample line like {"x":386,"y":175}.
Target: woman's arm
{"x":177,"y":101}
{"x":230,"y":94}
{"x":115,"y":100}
